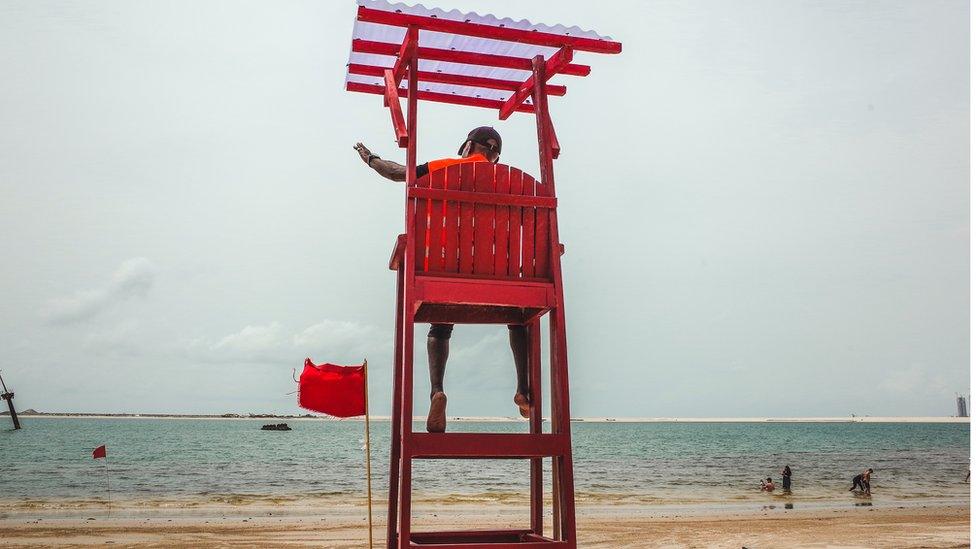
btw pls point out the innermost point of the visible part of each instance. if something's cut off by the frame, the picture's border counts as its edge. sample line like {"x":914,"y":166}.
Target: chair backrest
{"x":484,"y":220}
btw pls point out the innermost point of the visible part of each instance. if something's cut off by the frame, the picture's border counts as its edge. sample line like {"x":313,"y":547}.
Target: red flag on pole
{"x":339,"y":391}
{"x":98,"y":452}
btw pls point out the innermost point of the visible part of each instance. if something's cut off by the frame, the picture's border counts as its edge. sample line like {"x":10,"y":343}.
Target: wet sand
{"x":598,"y":527}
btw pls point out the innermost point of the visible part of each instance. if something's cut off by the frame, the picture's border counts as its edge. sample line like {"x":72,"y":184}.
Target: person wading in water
{"x":483,"y":144}
{"x":862,"y":481}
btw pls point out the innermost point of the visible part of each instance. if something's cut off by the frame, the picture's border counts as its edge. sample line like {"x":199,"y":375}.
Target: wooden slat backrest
{"x":482,"y":220}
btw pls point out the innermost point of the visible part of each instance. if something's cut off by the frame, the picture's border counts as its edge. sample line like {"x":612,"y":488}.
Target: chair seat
{"x":451,"y":299}
{"x":432,"y":288}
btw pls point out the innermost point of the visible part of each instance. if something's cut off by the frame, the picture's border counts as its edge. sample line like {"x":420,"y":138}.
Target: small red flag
{"x":98,"y":452}
{"x":339,"y":391}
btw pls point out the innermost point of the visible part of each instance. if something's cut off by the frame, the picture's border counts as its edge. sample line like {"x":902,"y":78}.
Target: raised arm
{"x":387,"y":168}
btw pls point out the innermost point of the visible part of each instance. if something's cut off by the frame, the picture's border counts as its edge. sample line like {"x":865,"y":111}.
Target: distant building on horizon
{"x":961,"y":407}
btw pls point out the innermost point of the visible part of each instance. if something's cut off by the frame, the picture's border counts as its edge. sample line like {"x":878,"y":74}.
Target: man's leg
{"x":518,"y":338}
{"x":438,"y":348}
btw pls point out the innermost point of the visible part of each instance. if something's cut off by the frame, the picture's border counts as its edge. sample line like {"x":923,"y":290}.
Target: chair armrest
{"x":397,"y":258}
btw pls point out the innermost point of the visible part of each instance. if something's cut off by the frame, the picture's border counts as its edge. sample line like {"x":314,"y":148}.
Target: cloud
{"x":332,"y":340}
{"x":341,"y":337}
{"x":123,"y":339}
{"x":251,"y":340}
{"x":914,"y":381}
{"x":133,"y":279}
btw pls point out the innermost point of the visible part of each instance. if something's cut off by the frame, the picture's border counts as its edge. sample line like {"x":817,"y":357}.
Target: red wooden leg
{"x":391,"y":512}
{"x":404,"y":530}
{"x":535,"y":423}
{"x":560,"y":381}
{"x":569,"y":503}
{"x":406,"y":423}
{"x":556,"y":423}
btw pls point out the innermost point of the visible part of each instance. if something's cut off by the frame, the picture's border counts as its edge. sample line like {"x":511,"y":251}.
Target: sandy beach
{"x":907,"y":527}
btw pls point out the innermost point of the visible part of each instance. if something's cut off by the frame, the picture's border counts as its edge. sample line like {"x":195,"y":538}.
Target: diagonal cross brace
{"x":555,"y":63}
{"x":408,"y":49}
{"x":391,"y":97}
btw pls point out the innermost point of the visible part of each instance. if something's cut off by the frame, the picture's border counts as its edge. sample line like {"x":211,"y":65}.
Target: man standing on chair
{"x":483,"y":144}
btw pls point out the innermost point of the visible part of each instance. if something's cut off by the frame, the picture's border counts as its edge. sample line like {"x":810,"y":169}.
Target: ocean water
{"x":194,"y":462}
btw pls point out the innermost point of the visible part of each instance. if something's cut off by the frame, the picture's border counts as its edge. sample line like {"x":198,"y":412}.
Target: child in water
{"x":862,"y":481}
{"x":767,"y":485}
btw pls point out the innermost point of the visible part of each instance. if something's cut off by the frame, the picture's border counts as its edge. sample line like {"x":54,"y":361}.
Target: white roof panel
{"x":389,"y":34}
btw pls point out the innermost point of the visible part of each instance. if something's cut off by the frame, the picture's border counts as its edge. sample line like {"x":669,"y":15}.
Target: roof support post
{"x":563,"y":506}
{"x":558,"y":61}
{"x":411,"y":63}
{"x":543,"y":124}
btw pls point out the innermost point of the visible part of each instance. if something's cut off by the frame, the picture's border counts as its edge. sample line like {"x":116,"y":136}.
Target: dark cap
{"x":481,"y":136}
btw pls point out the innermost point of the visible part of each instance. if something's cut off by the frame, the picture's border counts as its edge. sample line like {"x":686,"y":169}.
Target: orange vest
{"x":435,"y":165}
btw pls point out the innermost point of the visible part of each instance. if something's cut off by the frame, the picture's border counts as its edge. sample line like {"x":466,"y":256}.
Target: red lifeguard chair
{"x":481,"y":244}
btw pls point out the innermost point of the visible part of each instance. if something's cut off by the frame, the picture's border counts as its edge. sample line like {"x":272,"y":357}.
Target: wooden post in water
{"x":9,"y":397}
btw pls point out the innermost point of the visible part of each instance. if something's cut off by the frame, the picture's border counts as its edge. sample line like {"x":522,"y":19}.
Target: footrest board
{"x":484,"y":445}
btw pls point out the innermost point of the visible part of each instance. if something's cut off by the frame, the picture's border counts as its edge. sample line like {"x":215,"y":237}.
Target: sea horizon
{"x":493,"y":419}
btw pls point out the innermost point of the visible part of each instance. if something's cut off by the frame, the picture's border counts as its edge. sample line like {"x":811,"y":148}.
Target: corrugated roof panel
{"x":390,"y":34}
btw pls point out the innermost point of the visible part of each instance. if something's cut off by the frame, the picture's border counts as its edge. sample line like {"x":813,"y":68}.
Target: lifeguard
{"x":483,"y":144}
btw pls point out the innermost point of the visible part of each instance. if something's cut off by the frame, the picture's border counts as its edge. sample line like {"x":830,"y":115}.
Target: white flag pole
{"x":369,"y":482}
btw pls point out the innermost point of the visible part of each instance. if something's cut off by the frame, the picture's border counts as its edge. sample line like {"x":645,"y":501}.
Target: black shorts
{"x":443,"y":331}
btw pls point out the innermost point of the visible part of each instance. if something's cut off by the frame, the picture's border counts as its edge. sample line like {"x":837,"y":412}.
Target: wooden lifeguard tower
{"x":481,"y":242}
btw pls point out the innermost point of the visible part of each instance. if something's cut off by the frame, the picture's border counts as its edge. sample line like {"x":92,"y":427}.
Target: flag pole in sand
{"x":369,"y":482}
{"x":102,"y":453}
{"x":108,"y":486}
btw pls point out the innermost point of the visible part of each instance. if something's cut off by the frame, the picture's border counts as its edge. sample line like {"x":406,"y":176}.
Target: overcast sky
{"x":765,"y":207}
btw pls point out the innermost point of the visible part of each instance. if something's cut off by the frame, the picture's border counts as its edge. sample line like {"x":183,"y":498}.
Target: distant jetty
{"x":276,"y":427}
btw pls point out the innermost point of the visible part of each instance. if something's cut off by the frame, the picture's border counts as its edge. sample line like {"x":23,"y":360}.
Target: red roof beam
{"x":436,"y":97}
{"x":461,"y":57}
{"x":456,"y":79}
{"x":407,"y":50}
{"x":479,"y":30}
{"x":392,"y":100}
{"x":558,"y":60}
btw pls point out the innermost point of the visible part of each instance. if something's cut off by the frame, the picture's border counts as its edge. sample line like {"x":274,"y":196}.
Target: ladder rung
{"x":483,"y":539}
{"x":493,"y":545}
{"x":484,"y":445}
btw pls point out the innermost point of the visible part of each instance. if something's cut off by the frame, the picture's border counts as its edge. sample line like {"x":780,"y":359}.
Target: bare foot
{"x":522,"y":401}
{"x":437,"y":417}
